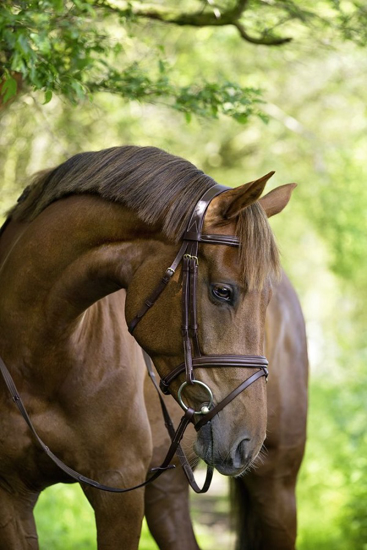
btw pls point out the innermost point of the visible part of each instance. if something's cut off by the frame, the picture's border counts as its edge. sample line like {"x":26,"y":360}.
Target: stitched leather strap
{"x":229,"y":240}
{"x":210,"y":361}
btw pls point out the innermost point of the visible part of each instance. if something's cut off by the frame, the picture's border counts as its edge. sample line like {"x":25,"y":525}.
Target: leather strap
{"x":210,"y":361}
{"x":176,"y":439}
{"x":207,"y":417}
{"x":185,"y":318}
{"x":229,"y":240}
{"x":171,"y":432}
{"x":150,"y":301}
{"x":196,"y":221}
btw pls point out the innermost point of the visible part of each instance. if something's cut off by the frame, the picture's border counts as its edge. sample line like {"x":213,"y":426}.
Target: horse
{"x":263,"y":503}
{"x":81,"y":251}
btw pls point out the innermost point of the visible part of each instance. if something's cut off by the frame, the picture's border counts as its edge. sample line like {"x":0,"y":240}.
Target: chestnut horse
{"x":96,"y":224}
{"x":264,"y":498}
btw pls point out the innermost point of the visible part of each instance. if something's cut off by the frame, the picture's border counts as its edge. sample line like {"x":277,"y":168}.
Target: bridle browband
{"x":188,"y":255}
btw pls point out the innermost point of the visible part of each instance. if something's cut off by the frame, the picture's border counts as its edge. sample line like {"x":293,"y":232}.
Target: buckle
{"x":189,"y":257}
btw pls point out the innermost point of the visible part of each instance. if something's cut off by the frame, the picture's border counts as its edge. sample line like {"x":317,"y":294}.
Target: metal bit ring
{"x":205,"y":408}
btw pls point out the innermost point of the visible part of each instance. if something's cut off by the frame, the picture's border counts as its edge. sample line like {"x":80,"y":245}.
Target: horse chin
{"x":226,"y":470}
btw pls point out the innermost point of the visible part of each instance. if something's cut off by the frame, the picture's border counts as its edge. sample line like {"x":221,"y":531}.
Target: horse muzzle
{"x":228,"y":459}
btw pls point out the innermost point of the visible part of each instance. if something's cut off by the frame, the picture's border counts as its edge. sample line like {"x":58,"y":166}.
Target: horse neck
{"x":74,"y":253}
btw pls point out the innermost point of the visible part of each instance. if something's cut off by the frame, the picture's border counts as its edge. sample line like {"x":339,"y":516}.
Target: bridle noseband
{"x":193,"y":358}
{"x":188,"y":255}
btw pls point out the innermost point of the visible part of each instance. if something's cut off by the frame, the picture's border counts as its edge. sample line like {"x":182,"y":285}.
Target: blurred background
{"x":237,"y":104}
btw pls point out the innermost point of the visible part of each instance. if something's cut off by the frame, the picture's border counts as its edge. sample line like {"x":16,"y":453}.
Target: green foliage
{"x":355,"y":520}
{"x":211,"y":100}
{"x":54,"y":45}
{"x":333,"y":477}
{"x":323,"y":485}
{"x":78,"y":48}
{"x":9,"y":88}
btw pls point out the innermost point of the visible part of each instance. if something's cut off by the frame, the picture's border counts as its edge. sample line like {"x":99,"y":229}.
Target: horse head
{"x":221,"y":317}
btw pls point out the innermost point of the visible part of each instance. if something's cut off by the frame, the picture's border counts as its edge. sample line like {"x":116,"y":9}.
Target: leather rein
{"x":188,"y":255}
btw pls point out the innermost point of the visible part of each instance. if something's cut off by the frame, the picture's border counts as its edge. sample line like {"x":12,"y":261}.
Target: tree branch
{"x":262,"y":40}
{"x":213,"y":18}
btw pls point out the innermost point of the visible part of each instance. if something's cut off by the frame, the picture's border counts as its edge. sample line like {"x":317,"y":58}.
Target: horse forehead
{"x":222,"y":257}
{"x":222,"y":260}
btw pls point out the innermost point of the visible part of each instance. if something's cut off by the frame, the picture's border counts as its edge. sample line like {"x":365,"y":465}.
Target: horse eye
{"x":222,"y":293}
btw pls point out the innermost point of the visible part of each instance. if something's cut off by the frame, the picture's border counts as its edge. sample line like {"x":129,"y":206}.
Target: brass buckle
{"x":189,"y":257}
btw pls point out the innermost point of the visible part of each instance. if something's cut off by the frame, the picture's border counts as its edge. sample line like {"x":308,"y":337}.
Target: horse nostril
{"x":242,"y":453}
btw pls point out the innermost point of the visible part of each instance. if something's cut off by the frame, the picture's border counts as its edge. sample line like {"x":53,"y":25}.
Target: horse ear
{"x":277,"y":199}
{"x":235,"y":200}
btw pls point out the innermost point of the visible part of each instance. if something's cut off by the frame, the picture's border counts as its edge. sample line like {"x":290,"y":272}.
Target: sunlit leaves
{"x":50,"y":43}
{"x":71,"y":49}
{"x":76,"y":48}
{"x":213,"y":99}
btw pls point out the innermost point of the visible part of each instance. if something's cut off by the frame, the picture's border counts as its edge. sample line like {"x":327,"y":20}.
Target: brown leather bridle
{"x":188,"y":255}
{"x":193,"y":358}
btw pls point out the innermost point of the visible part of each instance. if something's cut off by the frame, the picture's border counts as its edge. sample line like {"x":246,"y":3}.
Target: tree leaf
{"x":9,"y":88}
{"x":48,"y":96}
